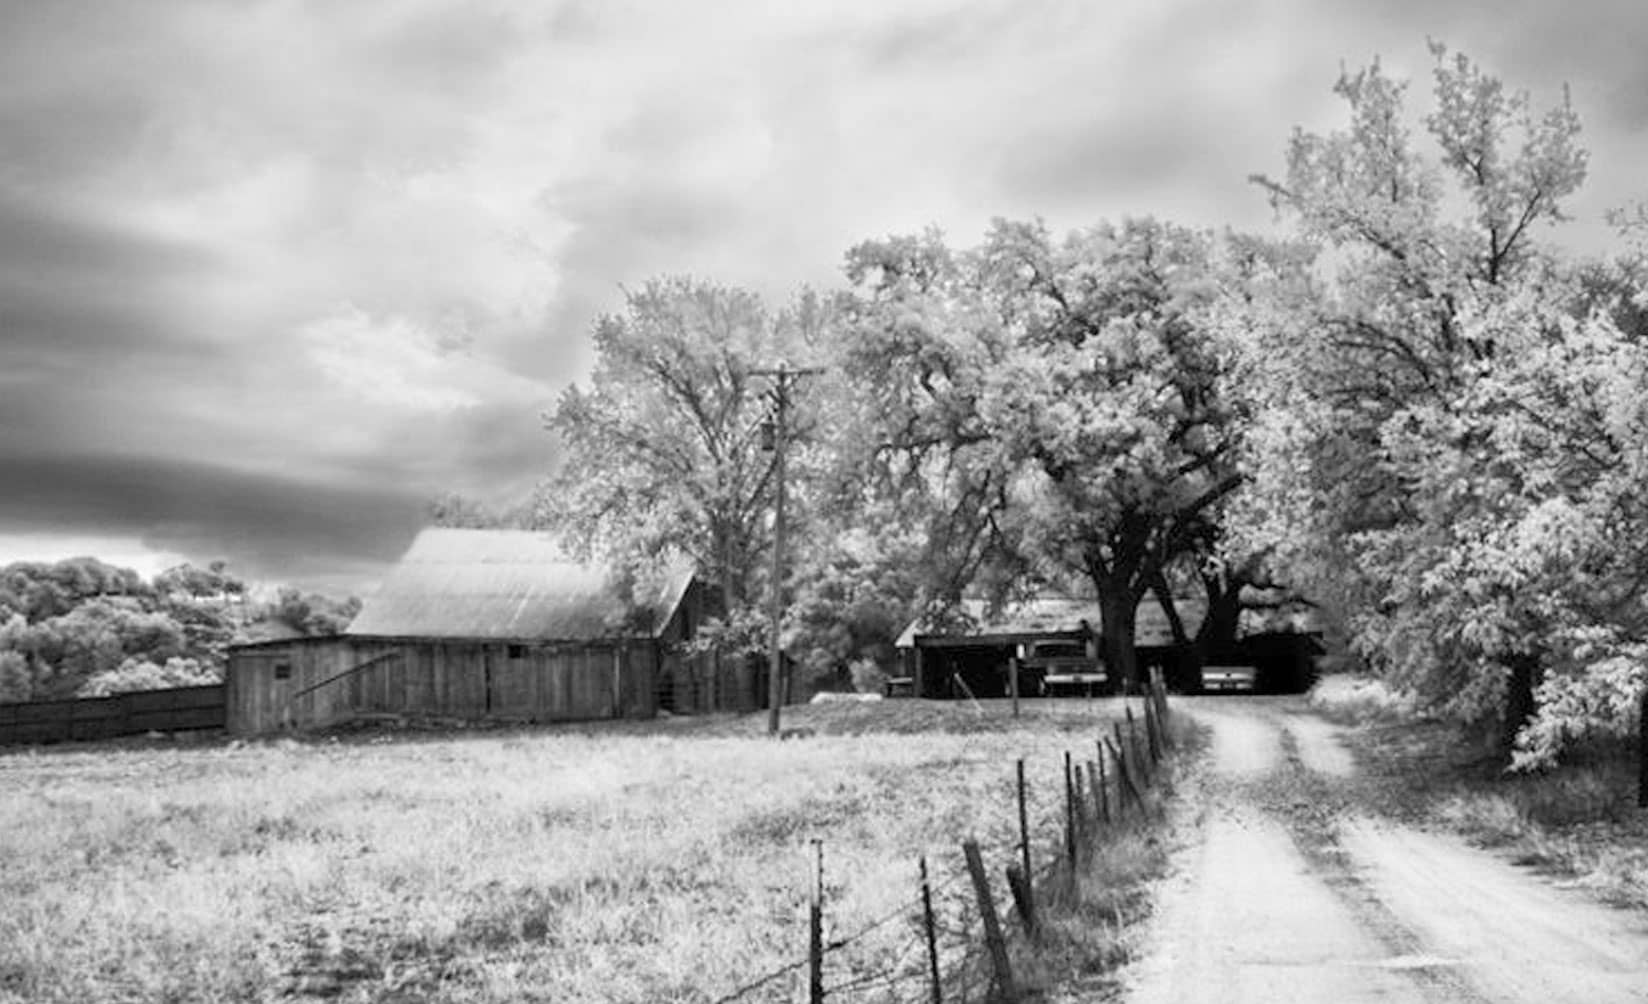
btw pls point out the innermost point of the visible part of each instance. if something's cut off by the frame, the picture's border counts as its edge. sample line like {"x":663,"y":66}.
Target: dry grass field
{"x":653,"y":861}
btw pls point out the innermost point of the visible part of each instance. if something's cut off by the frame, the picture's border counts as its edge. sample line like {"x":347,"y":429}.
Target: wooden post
{"x":1083,"y":817}
{"x":1125,"y":772}
{"x":1095,"y":780}
{"x":1013,"y":682}
{"x":1006,"y":989}
{"x":1023,"y":899}
{"x":1069,"y":812}
{"x":1162,"y":713}
{"x":1024,"y":840}
{"x":815,"y":943}
{"x":1151,"y":731}
{"x":1132,"y":736}
{"x":775,"y":600}
{"x":931,"y":928}
{"x":1104,"y":785}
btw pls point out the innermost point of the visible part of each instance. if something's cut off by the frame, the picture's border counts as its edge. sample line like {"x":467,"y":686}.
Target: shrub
{"x":140,"y":674}
{"x":868,"y":677}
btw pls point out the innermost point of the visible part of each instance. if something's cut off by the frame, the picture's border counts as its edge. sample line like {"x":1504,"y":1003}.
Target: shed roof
{"x":508,"y":585}
{"x":1049,"y":614}
{"x":1262,"y":611}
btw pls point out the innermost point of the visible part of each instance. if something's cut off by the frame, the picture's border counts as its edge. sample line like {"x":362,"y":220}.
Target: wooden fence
{"x":961,"y":947}
{"x":175,"y":710}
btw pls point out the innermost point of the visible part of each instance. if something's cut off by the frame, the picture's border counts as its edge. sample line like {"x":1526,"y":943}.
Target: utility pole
{"x":782,"y":377}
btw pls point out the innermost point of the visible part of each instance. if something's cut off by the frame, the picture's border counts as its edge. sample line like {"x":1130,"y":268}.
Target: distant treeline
{"x":82,"y":627}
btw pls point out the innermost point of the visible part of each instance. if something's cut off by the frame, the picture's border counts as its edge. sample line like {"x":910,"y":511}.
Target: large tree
{"x":663,"y":447}
{"x":1055,"y":405}
{"x":1447,"y":419}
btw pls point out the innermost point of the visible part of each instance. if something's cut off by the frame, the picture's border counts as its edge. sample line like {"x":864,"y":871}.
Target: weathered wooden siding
{"x":336,"y":679}
{"x":262,"y":697}
{"x":174,"y":710}
{"x":689,"y":683}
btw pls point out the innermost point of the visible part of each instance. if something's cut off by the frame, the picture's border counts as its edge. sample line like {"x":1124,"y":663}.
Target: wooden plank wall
{"x":466,"y":680}
{"x":175,"y":710}
{"x":261,"y":699}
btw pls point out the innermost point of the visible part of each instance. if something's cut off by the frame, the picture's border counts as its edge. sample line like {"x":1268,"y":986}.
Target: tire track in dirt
{"x":1291,"y":892}
{"x":1319,"y":807}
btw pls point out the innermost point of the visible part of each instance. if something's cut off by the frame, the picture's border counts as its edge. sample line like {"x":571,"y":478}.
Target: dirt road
{"x":1291,"y":892}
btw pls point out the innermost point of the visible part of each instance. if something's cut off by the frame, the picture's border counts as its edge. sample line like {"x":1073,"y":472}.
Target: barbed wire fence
{"x":948,"y":942}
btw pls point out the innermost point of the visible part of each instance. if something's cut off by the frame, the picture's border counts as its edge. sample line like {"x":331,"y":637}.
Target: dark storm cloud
{"x":74,"y":287}
{"x":496,"y":451}
{"x":266,"y":526}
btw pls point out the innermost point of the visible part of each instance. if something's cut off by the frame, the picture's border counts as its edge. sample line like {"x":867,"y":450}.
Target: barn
{"x":498,"y":625}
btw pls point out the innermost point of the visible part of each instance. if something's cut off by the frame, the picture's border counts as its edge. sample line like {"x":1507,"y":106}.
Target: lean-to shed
{"x":969,"y":652}
{"x":975,"y":644}
{"x":477,"y":624}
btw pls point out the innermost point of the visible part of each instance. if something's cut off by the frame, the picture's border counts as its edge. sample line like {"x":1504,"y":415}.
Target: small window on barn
{"x":283,"y":671}
{"x":517,"y":651}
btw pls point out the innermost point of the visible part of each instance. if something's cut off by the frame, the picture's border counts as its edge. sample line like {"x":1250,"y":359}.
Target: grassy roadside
{"x":1095,"y":916}
{"x":630,"y":861}
{"x":1579,"y":822}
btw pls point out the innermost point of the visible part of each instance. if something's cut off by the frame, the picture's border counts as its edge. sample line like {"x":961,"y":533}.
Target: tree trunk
{"x":1216,"y":639}
{"x":1520,"y":704}
{"x":1175,"y":623}
{"x":1185,"y":672}
{"x":1118,"y":610}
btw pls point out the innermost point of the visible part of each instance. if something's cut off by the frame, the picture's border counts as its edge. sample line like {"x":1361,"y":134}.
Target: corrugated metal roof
{"x":507,"y":584}
{"x":1055,"y":615}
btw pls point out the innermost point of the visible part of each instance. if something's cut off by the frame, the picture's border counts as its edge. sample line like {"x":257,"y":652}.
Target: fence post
{"x":1023,"y":902}
{"x":1024,"y":844}
{"x":1084,"y":816}
{"x":1153,"y":731}
{"x":1013,"y":681}
{"x":1125,"y":771}
{"x":1007,"y":990}
{"x":1132,"y":737}
{"x":931,"y":928}
{"x":815,"y":944}
{"x":1095,"y":781}
{"x":1104,"y":782}
{"x":1162,"y":713}
{"x":1069,"y":812}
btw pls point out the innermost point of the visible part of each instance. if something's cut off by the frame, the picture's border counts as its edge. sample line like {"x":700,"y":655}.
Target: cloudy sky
{"x":274,"y":273}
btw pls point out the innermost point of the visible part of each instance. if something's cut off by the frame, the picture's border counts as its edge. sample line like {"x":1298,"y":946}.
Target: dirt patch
{"x":1288,"y":891}
{"x":1580,"y":822}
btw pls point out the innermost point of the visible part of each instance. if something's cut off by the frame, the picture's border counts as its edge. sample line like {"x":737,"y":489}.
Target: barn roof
{"x":1044,"y":615}
{"x":508,"y":585}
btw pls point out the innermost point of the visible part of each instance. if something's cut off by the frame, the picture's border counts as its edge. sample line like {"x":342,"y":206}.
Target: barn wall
{"x":693,"y":683}
{"x":453,"y":679}
{"x":260,"y":698}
